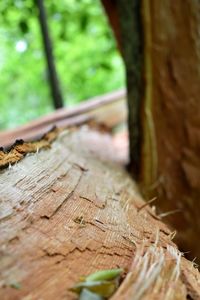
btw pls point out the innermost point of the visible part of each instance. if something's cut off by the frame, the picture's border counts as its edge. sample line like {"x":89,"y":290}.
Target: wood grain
{"x":68,"y":211}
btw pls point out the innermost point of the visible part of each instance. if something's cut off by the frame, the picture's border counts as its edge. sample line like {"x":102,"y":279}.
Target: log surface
{"x":71,"y":210}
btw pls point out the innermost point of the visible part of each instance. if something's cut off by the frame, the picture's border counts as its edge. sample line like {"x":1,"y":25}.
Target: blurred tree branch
{"x":53,"y":77}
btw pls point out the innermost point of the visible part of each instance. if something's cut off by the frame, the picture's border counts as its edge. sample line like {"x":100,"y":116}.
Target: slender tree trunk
{"x":53,"y":77}
{"x":164,"y":120}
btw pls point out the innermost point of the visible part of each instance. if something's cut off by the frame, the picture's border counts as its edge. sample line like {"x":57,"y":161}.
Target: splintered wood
{"x":70,"y":210}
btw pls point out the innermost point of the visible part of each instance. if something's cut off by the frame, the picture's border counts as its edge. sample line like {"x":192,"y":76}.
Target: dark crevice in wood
{"x":132,"y":51}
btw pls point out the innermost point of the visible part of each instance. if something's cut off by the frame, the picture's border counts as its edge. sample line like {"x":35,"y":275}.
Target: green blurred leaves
{"x":85,"y":53}
{"x":23,"y":26}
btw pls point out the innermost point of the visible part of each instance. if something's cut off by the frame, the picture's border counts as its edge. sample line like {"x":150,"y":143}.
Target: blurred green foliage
{"x":87,"y":60}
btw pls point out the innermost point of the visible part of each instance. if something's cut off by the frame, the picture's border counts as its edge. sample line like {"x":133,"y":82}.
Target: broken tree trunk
{"x":71,"y":209}
{"x":169,"y":112}
{"x":172,"y":114}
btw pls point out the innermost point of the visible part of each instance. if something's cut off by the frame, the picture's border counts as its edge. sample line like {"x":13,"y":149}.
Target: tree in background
{"x":160,"y":46}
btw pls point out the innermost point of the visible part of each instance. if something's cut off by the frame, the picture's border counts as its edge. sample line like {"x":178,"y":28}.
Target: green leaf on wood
{"x":100,"y":285}
{"x":88,"y":295}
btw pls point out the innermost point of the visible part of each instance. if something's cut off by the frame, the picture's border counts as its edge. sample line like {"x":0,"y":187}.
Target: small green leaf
{"x":104,"y":275}
{"x":15,"y":285}
{"x":101,"y":284}
{"x":88,"y":295}
{"x":102,"y":288}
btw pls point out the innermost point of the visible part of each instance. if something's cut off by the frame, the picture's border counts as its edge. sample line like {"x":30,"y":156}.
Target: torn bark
{"x":72,"y":209}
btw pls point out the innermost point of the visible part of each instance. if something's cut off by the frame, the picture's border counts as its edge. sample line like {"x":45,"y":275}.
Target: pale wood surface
{"x":68,"y":211}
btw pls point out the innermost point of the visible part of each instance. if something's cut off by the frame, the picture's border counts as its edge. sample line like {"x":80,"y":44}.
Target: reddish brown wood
{"x":170,"y":163}
{"x":70,"y":210}
{"x":110,"y":7}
